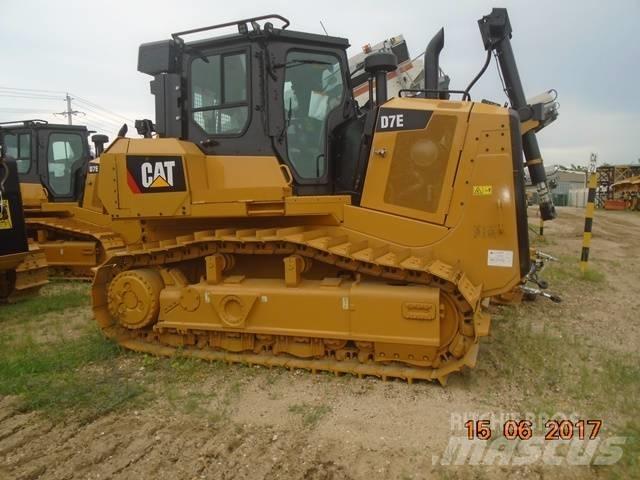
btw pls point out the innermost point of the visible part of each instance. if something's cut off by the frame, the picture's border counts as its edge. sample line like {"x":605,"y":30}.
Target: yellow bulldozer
{"x":23,"y":267}
{"x":266,"y":218}
{"x":52,"y":162}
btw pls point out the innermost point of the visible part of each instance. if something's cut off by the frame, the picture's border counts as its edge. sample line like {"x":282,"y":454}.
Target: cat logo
{"x":158,"y":175}
{"x":155,"y":174}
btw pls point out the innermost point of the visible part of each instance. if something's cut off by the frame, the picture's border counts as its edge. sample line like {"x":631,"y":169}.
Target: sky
{"x":587,"y":50}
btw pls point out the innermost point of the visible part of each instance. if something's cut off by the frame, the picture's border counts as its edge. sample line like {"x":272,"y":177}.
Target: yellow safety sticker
{"x":482,"y":190}
{"x":5,"y":216}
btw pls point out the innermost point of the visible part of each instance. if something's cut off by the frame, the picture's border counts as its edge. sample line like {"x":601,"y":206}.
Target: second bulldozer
{"x":23,"y":268}
{"x":52,"y":163}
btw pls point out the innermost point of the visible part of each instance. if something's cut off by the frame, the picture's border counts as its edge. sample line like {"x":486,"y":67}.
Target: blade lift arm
{"x":495,"y":29}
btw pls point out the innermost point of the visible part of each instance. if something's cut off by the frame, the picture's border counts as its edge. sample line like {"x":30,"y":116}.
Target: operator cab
{"x":264,"y":91}
{"x":52,"y":155}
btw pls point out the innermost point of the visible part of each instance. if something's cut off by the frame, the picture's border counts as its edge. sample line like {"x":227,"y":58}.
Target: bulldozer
{"x":269,"y":220}
{"x":23,"y":267}
{"x":266,"y":218}
{"x":52,"y":162}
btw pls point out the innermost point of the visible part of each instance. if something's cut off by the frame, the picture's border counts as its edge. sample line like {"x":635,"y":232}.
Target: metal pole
{"x":588,"y":216}
{"x":69,"y":111}
{"x":541,"y":227}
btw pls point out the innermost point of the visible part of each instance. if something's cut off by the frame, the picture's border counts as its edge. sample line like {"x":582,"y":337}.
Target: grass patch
{"x":592,"y":275}
{"x":71,"y":374}
{"x":183,"y":382}
{"x":629,"y":464}
{"x":519,"y":351}
{"x":557,"y":371}
{"x":178,"y":371}
{"x":535,"y":240}
{"x":567,"y":270}
{"x":311,"y":414}
{"x":75,"y":295}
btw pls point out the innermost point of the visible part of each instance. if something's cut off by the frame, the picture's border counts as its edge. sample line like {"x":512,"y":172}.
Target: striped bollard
{"x":588,"y":222}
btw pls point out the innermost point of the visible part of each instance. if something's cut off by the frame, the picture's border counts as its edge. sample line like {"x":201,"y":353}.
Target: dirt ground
{"x":212,"y":421}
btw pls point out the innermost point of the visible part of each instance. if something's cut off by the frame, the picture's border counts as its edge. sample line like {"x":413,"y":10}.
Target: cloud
{"x":587,"y":50}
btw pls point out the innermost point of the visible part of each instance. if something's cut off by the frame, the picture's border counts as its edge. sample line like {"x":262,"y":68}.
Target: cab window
{"x":19,"y":147}
{"x":220,"y":104}
{"x":64,"y":150}
{"x":313,"y":87}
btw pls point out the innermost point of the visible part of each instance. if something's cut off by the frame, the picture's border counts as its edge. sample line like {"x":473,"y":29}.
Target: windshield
{"x":220,"y":104}
{"x":313,"y":87}
{"x":18,"y":147}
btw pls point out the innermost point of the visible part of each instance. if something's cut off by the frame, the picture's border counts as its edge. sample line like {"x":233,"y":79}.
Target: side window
{"x":312,"y":89}
{"x":419,"y":165}
{"x":19,"y":147}
{"x":64,"y":150}
{"x":219,"y":100}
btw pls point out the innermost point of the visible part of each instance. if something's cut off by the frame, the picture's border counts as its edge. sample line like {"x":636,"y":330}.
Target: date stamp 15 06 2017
{"x":526,"y":440}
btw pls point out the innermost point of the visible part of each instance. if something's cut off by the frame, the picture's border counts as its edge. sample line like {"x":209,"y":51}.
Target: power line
{"x":94,"y":105}
{"x":31,"y":90}
{"x":106,"y":116}
{"x":103,"y":117}
{"x":31,"y":97}
{"x":101,"y":121}
{"x":23,"y":110}
{"x":32,"y":93}
{"x":69,"y":112}
{"x":101,"y":125}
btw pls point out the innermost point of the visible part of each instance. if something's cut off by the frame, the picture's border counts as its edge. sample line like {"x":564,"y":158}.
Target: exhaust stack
{"x":378,"y":65}
{"x":99,"y":142}
{"x":432,"y":64}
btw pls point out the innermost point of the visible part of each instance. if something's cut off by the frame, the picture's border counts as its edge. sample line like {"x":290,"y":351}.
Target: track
{"x":52,"y":233}
{"x":27,"y":278}
{"x":331,"y":246}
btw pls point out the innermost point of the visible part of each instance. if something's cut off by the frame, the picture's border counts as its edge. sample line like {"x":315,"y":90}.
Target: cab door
{"x":63,"y":156}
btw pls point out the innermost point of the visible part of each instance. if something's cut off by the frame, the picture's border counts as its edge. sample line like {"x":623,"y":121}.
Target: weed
{"x":592,"y":275}
{"x":311,"y":414}
{"x":567,"y":271}
{"x":629,"y":464}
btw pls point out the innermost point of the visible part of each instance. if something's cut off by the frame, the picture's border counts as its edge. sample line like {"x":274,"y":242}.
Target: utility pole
{"x":69,"y":112}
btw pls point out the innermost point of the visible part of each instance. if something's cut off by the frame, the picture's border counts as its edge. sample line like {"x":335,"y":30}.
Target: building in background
{"x":616,"y":186}
{"x":561,"y":183}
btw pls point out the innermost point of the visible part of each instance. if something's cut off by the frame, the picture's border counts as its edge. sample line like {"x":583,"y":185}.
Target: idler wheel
{"x":133,"y":297}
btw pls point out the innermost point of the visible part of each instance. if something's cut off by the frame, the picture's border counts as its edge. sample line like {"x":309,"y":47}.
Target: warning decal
{"x":5,"y":216}
{"x":482,"y":190}
{"x":500,"y":258}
